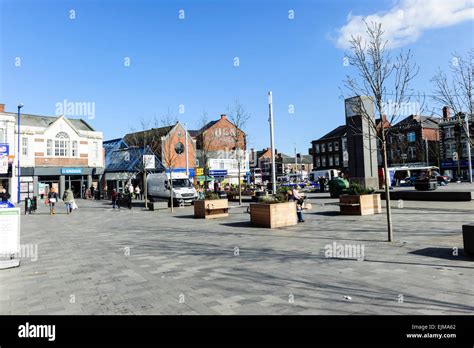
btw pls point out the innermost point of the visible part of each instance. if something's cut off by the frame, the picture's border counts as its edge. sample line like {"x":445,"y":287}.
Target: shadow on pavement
{"x":443,"y":253}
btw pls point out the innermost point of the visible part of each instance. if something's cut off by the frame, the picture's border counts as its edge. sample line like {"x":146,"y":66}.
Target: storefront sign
{"x":71,"y":171}
{"x":149,"y":161}
{"x":4,"y":149}
{"x":199,"y":171}
{"x":218,"y":172}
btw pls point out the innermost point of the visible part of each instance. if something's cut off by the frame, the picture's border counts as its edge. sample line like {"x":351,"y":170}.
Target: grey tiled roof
{"x":45,"y":121}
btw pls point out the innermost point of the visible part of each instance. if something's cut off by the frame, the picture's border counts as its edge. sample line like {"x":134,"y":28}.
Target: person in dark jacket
{"x":52,"y":199}
{"x":4,"y":196}
{"x":114,"y":196}
{"x":322,"y":183}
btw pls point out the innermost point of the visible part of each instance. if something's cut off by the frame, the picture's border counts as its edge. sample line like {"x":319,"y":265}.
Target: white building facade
{"x":54,"y":152}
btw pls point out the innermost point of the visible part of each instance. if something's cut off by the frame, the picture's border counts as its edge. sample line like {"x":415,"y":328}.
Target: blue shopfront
{"x":39,"y":181}
{"x":456,"y":169}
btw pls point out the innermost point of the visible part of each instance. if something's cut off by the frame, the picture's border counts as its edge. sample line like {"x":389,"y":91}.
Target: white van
{"x":328,"y":173}
{"x":159,"y":188}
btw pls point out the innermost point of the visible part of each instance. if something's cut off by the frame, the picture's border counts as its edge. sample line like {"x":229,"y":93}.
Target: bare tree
{"x":147,"y":140}
{"x":384,"y":79}
{"x":205,"y":142}
{"x":456,"y":92}
{"x":239,"y":117}
{"x":169,"y":153}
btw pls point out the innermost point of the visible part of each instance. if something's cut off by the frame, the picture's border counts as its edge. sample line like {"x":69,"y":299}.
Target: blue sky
{"x":190,"y":61}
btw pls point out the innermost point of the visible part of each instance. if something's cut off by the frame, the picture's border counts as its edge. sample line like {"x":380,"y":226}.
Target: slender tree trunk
{"x":171,"y":191}
{"x":387,"y":187}
{"x":240,"y":187}
{"x":145,"y":189}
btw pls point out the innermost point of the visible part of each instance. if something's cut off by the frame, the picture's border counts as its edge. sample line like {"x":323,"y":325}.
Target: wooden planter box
{"x":273,"y":215}
{"x":468,"y":239}
{"x":360,"y":205}
{"x":211,"y":208}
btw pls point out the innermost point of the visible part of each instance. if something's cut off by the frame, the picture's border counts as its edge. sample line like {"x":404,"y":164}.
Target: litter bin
{"x":338,"y":186}
{"x":27,"y":205}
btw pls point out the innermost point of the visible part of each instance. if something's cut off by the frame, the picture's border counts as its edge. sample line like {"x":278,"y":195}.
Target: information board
{"x":9,"y":231}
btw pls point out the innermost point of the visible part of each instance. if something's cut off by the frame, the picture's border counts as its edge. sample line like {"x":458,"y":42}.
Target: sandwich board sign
{"x":9,"y":237}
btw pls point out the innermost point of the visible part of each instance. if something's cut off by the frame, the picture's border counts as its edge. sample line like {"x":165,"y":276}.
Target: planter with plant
{"x":211,"y":207}
{"x":360,"y":201}
{"x":273,"y":211}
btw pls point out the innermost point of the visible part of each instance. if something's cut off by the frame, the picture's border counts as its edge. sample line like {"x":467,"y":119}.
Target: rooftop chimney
{"x":446,"y":113}
{"x":223,"y":117}
{"x":2,"y":107}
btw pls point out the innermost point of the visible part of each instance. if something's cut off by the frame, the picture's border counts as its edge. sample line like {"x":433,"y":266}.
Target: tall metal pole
{"x":272,"y":143}
{"x":296,"y":161}
{"x":468,"y":140}
{"x":186,"y":146}
{"x":19,"y":152}
{"x":427,"y":153}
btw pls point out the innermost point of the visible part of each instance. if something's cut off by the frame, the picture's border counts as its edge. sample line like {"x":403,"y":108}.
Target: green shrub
{"x":211,"y":195}
{"x":356,"y":189}
{"x":278,"y":198}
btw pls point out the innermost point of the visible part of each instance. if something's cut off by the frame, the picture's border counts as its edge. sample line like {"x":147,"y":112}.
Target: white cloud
{"x":405,"y":22}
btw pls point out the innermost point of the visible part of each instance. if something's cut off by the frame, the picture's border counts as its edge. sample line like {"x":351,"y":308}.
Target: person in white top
{"x":138,"y":192}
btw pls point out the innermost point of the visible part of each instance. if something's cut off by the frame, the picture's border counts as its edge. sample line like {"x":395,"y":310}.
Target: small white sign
{"x":455,"y":156}
{"x":149,"y":161}
{"x":3,"y":164}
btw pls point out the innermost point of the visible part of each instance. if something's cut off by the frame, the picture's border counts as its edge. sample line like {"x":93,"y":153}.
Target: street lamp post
{"x":186,"y":146}
{"x":19,"y":152}
{"x":272,"y":143}
{"x":468,"y":140}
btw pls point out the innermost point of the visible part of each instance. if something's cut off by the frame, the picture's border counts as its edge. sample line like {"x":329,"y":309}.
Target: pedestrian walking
{"x":68,"y":198}
{"x":5,"y":196}
{"x":128,"y":198}
{"x":52,"y":200}
{"x":322,"y":184}
{"x":92,"y":189}
{"x":114,"y":197}
{"x":138,"y":194}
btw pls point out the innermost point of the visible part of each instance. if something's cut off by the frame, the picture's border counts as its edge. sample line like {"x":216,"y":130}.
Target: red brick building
{"x":169,"y":145}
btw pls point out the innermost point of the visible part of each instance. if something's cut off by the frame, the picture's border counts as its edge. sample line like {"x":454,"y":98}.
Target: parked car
{"x":441,"y":179}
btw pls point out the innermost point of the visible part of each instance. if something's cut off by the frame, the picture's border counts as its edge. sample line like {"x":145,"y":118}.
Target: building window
{"x":49,"y":147}
{"x":330,"y":147}
{"x":3,"y":138}
{"x":336,"y":146}
{"x":61,"y":145}
{"x":95,"y":150}
{"x":74,"y":148}
{"x":24,"y":146}
{"x":449,"y":132}
{"x":344,"y":144}
{"x":411,"y":151}
{"x":450,"y":149}
{"x":323,"y":148}
{"x":336,"y":160}
{"x":316,"y":147}
{"x":411,"y":137}
{"x":318,"y":162}
{"x":323,"y":161}
{"x":330,"y":161}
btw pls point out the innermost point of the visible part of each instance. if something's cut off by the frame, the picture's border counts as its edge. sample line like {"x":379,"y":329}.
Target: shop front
{"x":39,"y":181}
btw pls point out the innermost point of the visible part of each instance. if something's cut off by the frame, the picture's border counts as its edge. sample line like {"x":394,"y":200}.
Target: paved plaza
{"x":101,"y":261}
